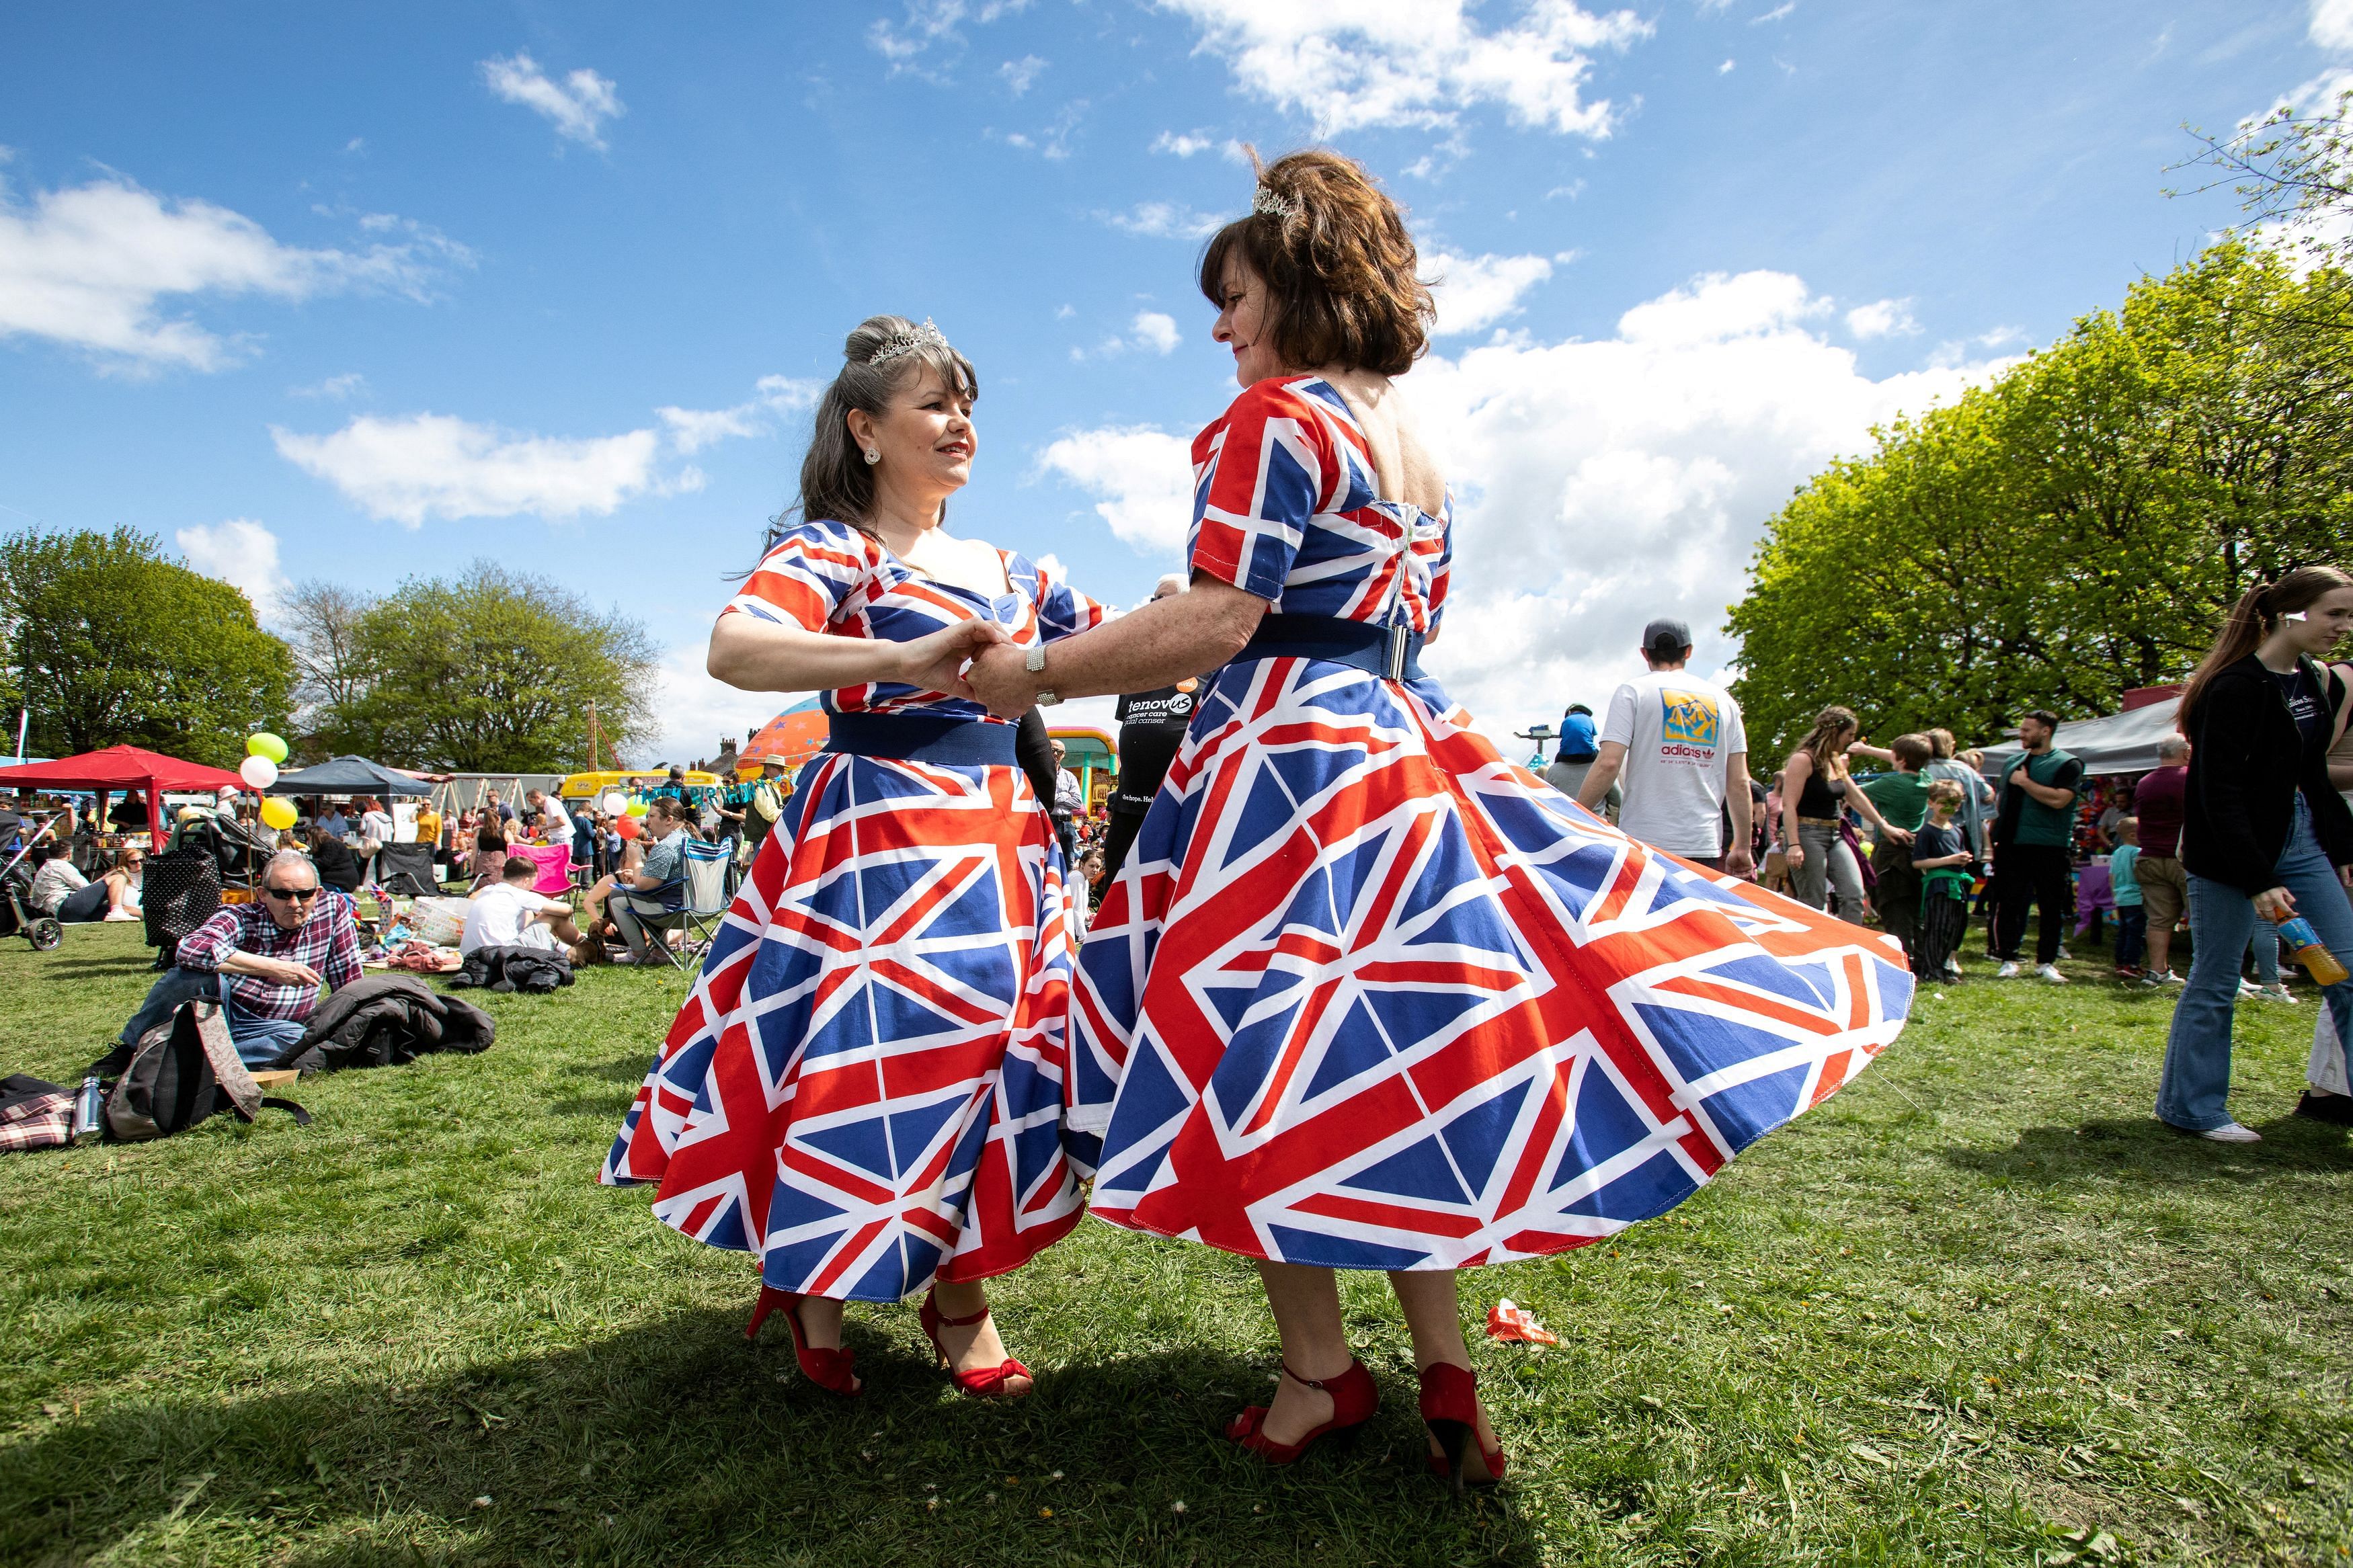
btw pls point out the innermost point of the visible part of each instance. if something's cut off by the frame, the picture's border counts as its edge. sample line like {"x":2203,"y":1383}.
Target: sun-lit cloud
{"x":577,"y":106}
{"x":92,"y":266}
{"x":433,"y":464}
{"x":1021,"y":74}
{"x":242,"y":553}
{"x":1883,"y":319}
{"x":1475,"y":292}
{"x":1140,"y":479}
{"x":2331,"y":24}
{"x":692,"y":429}
{"x":1164,"y":220}
{"x":930,"y":23}
{"x":1419,"y":63}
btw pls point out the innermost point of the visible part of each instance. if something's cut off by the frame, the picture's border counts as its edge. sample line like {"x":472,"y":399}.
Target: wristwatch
{"x":1035,"y":663}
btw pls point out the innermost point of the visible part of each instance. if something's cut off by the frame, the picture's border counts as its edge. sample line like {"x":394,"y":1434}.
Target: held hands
{"x":999,"y":679}
{"x":936,"y":663}
{"x":2275,"y":904}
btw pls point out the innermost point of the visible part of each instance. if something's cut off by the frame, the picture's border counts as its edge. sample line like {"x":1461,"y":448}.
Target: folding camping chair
{"x":709,"y":873}
{"x":407,"y":870}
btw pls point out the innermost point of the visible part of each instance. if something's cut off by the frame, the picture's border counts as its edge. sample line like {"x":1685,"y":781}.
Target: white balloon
{"x":257,"y":771}
{"x":614,"y":804}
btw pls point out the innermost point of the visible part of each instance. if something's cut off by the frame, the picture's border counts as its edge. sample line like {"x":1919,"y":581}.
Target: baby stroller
{"x":16,"y":915}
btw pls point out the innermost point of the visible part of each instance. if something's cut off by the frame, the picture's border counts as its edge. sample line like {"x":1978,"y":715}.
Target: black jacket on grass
{"x":2247,"y":762}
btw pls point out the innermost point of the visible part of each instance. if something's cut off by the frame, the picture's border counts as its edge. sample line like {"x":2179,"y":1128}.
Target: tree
{"x":323,"y":622}
{"x":490,"y":673}
{"x":2291,"y":171}
{"x":110,"y":641}
{"x":2075,"y":529}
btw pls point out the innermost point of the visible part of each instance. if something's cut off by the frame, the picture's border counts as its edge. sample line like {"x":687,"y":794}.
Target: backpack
{"x":181,"y":1071}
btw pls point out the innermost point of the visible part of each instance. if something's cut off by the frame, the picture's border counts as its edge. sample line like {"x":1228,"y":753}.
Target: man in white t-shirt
{"x":507,"y":913}
{"x":553,"y":818}
{"x":1675,"y":743}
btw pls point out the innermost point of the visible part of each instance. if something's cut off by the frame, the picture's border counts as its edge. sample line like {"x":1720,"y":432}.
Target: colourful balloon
{"x":258,"y":771}
{"x":614,"y":804}
{"x":638,"y":808}
{"x":278,"y":813}
{"x":262,"y":743}
{"x":627,"y":827}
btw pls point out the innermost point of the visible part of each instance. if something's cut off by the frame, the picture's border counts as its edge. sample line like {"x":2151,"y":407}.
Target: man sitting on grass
{"x":507,"y":913}
{"x":264,"y":960}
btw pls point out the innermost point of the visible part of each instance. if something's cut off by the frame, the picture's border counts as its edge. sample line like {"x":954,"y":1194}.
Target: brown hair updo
{"x":2255,"y":618}
{"x":1338,"y":264}
{"x":837,"y":484}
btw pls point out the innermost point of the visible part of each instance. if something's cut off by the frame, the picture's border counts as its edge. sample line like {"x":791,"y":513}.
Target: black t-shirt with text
{"x":1151,"y":727}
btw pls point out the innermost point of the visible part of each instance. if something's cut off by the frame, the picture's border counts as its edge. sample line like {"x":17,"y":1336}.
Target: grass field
{"x":1980,"y":1308}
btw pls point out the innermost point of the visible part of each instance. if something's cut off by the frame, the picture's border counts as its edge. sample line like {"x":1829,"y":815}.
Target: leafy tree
{"x":2293,"y":171}
{"x":490,"y":673}
{"x":110,"y":641}
{"x":2074,"y":529}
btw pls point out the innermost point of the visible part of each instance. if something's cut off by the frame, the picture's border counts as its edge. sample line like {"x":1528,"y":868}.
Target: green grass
{"x":1979,"y":1308}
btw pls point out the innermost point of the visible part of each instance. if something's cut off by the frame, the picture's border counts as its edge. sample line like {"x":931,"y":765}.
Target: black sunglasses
{"x":292,"y":895}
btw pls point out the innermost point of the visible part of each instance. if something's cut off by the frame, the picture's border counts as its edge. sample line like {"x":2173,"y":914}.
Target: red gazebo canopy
{"x":126,"y":768}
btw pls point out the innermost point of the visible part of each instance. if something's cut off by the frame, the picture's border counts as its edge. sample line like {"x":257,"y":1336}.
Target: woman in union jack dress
{"x":1366,"y":994}
{"x":865,"y":1087}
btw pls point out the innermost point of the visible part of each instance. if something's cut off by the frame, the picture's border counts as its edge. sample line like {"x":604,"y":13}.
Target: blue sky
{"x":362,"y":293}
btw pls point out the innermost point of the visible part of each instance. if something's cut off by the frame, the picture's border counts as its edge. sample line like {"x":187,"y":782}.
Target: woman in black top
{"x":338,"y":867}
{"x":2262,"y":833}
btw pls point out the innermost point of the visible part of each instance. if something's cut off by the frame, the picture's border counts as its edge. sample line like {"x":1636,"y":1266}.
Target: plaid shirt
{"x":328,"y":941}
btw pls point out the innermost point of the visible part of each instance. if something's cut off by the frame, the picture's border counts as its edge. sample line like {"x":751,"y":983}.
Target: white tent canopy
{"x":2119,"y":743}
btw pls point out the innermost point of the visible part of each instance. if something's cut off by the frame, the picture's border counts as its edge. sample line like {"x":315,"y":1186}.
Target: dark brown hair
{"x":1913,"y":751}
{"x":1339,"y":266}
{"x":837,"y":484}
{"x":2255,"y":618}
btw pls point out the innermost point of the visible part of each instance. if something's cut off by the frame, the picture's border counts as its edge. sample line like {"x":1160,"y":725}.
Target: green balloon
{"x":265,"y":744}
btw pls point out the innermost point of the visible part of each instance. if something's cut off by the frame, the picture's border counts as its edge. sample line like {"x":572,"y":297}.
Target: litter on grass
{"x":1506,"y":1321}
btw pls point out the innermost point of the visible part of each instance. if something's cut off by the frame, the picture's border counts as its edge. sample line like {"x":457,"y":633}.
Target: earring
{"x":873,"y":454}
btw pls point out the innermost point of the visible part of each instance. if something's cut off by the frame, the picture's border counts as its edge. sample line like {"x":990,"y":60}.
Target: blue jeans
{"x":2197,"y":1081}
{"x":2265,"y":946}
{"x":2131,"y":934}
{"x":258,"y":1040}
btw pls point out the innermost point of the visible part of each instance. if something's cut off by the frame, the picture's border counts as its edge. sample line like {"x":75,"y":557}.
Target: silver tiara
{"x":1269,"y":203}
{"x":926,"y":336}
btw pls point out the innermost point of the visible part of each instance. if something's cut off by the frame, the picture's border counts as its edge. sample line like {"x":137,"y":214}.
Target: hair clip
{"x":2293,"y":616}
{"x":926,"y":336}
{"x":1269,"y":202}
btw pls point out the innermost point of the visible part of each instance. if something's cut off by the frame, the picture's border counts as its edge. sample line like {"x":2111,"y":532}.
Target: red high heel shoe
{"x":1355,"y":1397}
{"x":828,"y":1369}
{"x":1450,"y":1408}
{"x":989,"y":1384}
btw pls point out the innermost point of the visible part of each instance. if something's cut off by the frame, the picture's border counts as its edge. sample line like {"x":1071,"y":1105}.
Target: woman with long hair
{"x":1366,"y":994}
{"x":865,"y":1087}
{"x":2263,"y":835}
{"x":1814,"y":787}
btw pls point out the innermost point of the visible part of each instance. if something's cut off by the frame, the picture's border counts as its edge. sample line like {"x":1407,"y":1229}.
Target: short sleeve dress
{"x":1368,"y":995}
{"x":865,"y":1087}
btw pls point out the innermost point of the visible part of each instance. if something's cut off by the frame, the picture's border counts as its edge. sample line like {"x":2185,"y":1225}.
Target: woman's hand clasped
{"x":2275,"y":904}
{"x":1000,"y":680}
{"x":936,"y":663}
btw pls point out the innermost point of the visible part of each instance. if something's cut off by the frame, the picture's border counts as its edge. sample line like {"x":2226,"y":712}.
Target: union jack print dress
{"x":865,"y":1087}
{"x":1368,"y":995}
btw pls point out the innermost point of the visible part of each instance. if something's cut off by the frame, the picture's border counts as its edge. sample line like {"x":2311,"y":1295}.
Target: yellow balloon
{"x":262,"y":743}
{"x":638,"y":808}
{"x":278,"y":813}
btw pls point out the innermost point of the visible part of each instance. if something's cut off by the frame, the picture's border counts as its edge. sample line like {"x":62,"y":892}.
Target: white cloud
{"x":1881,"y":318}
{"x":1183,"y":146}
{"x":1414,"y":62}
{"x":241,"y":552}
{"x":695,"y":710}
{"x":335,"y":388}
{"x":1141,"y":479}
{"x":1477,"y":291}
{"x":1776,"y":14}
{"x":89,"y":266}
{"x":1597,"y":483}
{"x":1155,"y":332}
{"x":1165,"y":220}
{"x":578,"y":107}
{"x":432,"y":465}
{"x":1019,"y":74}
{"x":933,"y":21}
{"x":1726,"y":69}
{"x":2332,"y":24}
{"x":692,"y":429}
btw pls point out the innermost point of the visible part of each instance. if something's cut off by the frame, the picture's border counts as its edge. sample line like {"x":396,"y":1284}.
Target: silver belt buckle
{"x":1394,"y":668}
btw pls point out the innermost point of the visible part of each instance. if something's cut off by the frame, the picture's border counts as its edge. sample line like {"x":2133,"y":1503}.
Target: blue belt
{"x":1390,"y":652}
{"x":922,"y":738}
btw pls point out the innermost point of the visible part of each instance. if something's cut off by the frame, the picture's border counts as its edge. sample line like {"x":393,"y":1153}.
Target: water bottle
{"x":2317,"y":961}
{"x":89,"y":1112}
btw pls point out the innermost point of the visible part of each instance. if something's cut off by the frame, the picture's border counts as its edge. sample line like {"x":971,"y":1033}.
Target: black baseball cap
{"x":1667,"y":635}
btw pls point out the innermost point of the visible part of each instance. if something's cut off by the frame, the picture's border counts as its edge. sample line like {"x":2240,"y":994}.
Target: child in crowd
{"x":1940,"y":854}
{"x":2132,"y":921}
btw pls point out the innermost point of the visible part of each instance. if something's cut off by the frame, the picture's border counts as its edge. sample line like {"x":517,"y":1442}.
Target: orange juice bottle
{"x":2306,"y":945}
